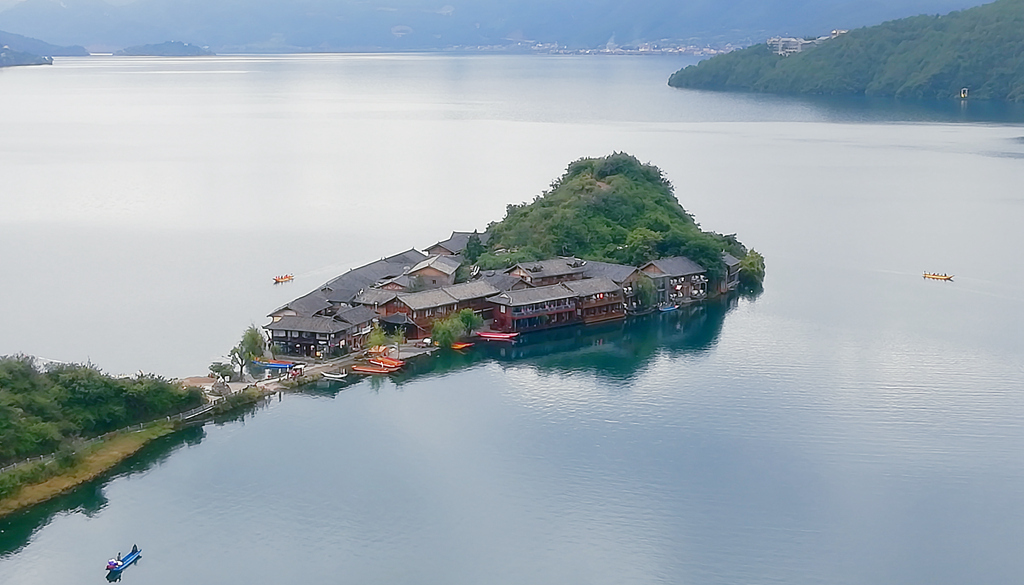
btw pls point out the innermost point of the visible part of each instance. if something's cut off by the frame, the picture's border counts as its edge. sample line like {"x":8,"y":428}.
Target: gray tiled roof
{"x":458,"y":240}
{"x":445,"y":264}
{"x":677,"y":266}
{"x":529,"y":296}
{"x":427,"y":299}
{"x":306,"y":306}
{"x":616,"y":272}
{"x":591,"y":286}
{"x":375,"y":296}
{"x":552,"y":267}
{"x":730,"y":260}
{"x":474,"y":289}
{"x":500,"y":280}
{"x":345,"y":287}
{"x":309,"y":325}
{"x":357,"y":315}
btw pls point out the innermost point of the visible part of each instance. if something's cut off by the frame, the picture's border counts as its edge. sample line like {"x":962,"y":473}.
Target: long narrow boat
{"x":115,"y":566}
{"x":336,"y":376}
{"x":387,"y":362}
{"x":461,"y":345}
{"x":371,"y":369}
{"x":934,"y":276}
{"x":667,"y":308}
{"x":496,"y":336}
{"x":284,"y":278}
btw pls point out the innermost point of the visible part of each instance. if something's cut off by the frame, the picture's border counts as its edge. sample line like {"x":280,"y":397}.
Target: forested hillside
{"x":42,"y":409}
{"x":615,"y":209}
{"x":931,"y":57}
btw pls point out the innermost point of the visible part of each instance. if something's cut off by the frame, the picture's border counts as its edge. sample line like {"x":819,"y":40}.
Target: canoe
{"x":667,"y":308}
{"x":380,"y":363}
{"x":934,"y":276}
{"x":335,"y":375}
{"x":461,"y":345}
{"x":117,"y":567}
{"x":371,"y":369}
{"x":284,"y":278}
{"x":496,"y":336}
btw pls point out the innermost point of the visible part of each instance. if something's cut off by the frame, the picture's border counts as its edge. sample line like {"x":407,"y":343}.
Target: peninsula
{"x":980,"y":50}
{"x":12,"y":58}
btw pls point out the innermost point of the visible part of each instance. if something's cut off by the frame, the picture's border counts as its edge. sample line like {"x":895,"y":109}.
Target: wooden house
{"x":732,"y":274}
{"x":548,"y":272}
{"x":678,"y":280}
{"x":597,"y":299}
{"x":435,"y":271}
{"x":534,"y":308}
{"x":456,"y":244}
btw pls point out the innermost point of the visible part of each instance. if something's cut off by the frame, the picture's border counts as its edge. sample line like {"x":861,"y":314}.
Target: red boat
{"x":372,"y":369}
{"x":461,"y":345}
{"x":386,"y":362}
{"x":496,"y":336}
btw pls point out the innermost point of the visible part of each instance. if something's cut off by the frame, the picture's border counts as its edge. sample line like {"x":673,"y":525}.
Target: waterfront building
{"x":677,"y":279}
{"x":434,"y":271}
{"x":621,"y":274}
{"x":548,"y":272}
{"x":732,"y":274}
{"x":597,"y":299}
{"x":319,"y":336}
{"x":534,"y":308}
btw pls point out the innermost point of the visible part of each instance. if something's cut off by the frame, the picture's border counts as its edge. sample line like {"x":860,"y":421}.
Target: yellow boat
{"x":284,"y":278}
{"x":934,"y":276}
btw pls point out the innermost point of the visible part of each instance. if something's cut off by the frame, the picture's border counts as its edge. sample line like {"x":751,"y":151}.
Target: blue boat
{"x":115,"y":566}
{"x":666,"y":307}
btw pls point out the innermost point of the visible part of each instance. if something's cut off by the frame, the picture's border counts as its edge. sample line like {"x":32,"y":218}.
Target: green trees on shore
{"x":612,"y":208}
{"x":930,"y":57}
{"x":450,"y":329}
{"x":42,"y":409}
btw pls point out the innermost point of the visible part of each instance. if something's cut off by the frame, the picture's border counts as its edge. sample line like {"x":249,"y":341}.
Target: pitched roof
{"x":730,"y":260}
{"x":592,"y":286}
{"x":427,"y":299}
{"x":344,"y":288}
{"x":308,"y":325}
{"x":529,"y":296}
{"x":475,"y":289}
{"x":616,"y":272}
{"x":458,"y":240}
{"x":500,"y":280}
{"x":356,"y":315}
{"x":306,"y":306}
{"x":552,"y":267}
{"x":375,"y":296}
{"x":677,"y":266}
{"x":444,"y":264}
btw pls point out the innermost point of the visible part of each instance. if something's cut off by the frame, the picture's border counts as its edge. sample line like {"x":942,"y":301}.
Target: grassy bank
{"x":96,"y":460}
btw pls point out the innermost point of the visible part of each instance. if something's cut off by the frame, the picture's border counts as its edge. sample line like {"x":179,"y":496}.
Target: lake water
{"x":852,"y":424}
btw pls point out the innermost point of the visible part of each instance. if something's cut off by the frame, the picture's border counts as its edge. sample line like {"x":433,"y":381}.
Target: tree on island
{"x":447,"y":331}
{"x":249,"y":349}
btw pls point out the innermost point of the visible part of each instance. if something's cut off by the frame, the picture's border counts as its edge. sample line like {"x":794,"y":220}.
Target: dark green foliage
{"x":447,"y":331}
{"x":473,"y":248}
{"x":42,"y":410}
{"x":646,"y":292}
{"x":614,"y":209}
{"x":930,"y":57}
{"x":752,"y":269}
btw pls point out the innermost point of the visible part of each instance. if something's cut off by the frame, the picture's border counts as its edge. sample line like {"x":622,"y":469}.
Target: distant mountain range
{"x":396,"y":25}
{"x":36,"y":47}
{"x":981,"y":49}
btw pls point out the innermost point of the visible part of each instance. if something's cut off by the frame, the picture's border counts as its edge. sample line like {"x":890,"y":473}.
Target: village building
{"x":548,"y":272}
{"x":473,"y":295}
{"x":423,"y":308}
{"x":677,"y":279}
{"x":304,"y":306}
{"x":456,"y":244}
{"x":597,"y":299}
{"x":344,"y":288}
{"x":622,"y":275}
{"x":319,"y":336}
{"x":732,"y":274}
{"x":380,"y":300}
{"x":502,"y":281}
{"x":434,"y":272}
{"x":534,"y":308}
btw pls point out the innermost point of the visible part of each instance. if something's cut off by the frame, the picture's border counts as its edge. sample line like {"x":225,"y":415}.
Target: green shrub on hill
{"x":614,"y":209}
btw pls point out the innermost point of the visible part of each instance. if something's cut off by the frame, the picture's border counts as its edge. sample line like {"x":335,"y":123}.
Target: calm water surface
{"x":852,"y":424}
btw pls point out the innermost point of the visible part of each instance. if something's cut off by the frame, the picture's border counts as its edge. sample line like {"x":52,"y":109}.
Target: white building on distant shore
{"x":788,"y":45}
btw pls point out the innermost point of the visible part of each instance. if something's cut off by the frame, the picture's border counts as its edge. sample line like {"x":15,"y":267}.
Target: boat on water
{"x":336,"y":376}
{"x":386,"y":362}
{"x":666,"y":307}
{"x":116,"y":565}
{"x":273,"y":364}
{"x":371,"y":369}
{"x":497,"y":336}
{"x":935,"y":276}
{"x":461,"y":345}
{"x":284,"y":278}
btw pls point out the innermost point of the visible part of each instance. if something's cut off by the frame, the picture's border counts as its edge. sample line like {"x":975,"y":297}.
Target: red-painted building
{"x":534,"y":308}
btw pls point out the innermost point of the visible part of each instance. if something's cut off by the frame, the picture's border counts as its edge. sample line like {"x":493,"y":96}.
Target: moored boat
{"x":386,"y":363}
{"x":461,"y":345}
{"x":935,"y":276}
{"x":362,"y":369}
{"x":284,"y":278}
{"x":497,"y":336}
{"x":335,"y":375}
{"x":666,"y":307}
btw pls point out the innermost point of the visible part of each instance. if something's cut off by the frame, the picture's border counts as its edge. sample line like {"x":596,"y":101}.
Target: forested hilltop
{"x":931,"y":57}
{"x":614,"y":209}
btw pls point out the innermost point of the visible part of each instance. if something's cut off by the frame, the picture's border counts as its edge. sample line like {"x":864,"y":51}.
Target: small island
{"x":977,"y":53}
{"x":168,"y":49}
{"x":12,"y":58}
